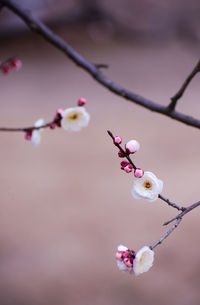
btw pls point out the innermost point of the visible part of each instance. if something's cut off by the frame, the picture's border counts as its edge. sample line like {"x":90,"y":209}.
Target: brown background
{"x":65,"y":205}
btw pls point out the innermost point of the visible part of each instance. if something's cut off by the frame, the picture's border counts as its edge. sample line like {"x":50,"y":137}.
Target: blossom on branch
{"x":75,"y":118}
{"x":143,"y":260}
{"x":148,"y":187}
{"x":34,"y":135}
{"x":129,"y":262}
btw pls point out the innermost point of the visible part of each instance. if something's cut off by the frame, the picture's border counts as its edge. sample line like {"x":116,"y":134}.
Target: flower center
{"x":147,"y":185}
{"x":73,"y":116}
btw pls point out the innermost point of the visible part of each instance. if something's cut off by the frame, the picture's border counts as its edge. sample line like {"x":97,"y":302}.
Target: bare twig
{"x":187,"y":210}
{"x":178,"y":219}
{"x":92,"y":69}
{"x":159,"y":242}
{"x":30,"y":128}
{"x":172,"y":204}
{"x":181,"y":91}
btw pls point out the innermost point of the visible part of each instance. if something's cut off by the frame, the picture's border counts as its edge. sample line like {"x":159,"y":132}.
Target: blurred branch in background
{"x":93,"y":69}
{"x":147,"y":20}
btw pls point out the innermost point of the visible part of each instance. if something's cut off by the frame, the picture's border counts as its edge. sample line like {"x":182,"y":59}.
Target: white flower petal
{"x":39,"y":123}
{"x":143,"y":260}
{"x":122,"y":248}
{"x":35,"y":138}
{"x":148,"y":187}
{"x":122,"y":267}
{"x":74,"y":119}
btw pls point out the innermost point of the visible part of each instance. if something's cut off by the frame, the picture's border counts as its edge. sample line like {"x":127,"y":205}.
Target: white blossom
{"x":143,"y":260}
{"x":36,"y":134}
{"x":147,"y":187}
{"x":73,"y":119}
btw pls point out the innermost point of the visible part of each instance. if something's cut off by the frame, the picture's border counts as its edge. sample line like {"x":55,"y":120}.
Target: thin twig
{"x":59,"y":43}
{"x":27,"y":129}
{"x":178,"y":219}
{"x":172,"y":204}
{"x":159,"y":242}
{"x":187,"y":210}
{"x":181,"y":91}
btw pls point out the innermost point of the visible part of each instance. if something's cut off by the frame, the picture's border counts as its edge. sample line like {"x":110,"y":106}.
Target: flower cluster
{"x":70,"y":119}
{"x":10,"y":64}
{"x":134,"y":263}
{"x":145,"y":184}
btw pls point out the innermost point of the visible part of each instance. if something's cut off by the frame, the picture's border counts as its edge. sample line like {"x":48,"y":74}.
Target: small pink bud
{"x":57,"y":118}
{"x":128,"y":262}
{"x":117,"y":140}
{"x":28,"y":134}
{"x":60,"y":111}
{"x":16,"y":63}
{"x":52,"y":126}
{"x":128,"y":168}
{"x":132,"y":146}
{"x":121,"y":154}
{"x":6,"y":69}
{"x":138,"y":173}
{"x":81,"y":101}
{"x":124,"y":163}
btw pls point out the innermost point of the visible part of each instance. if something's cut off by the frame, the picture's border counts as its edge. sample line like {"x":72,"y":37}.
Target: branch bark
{"x":39,"y":28}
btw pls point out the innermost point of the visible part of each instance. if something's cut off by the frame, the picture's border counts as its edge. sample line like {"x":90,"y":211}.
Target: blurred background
{"x":66,"y":205}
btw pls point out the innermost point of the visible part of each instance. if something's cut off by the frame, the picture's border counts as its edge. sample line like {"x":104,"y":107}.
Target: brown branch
{"x":159,"y":242}
{"x":181,"y":91}
{"x":178,"y":219}
{"x":187,"y":210}
{"x":30,"y":128}
{"x":93,"y":70}
{"x":172,"y":204}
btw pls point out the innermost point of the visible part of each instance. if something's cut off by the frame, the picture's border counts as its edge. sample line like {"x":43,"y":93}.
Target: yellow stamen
{"x":73,"y":116}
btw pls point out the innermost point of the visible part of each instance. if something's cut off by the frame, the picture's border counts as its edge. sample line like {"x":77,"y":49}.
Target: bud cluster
{"x":131,"y":147}
{"x":10,"y":64}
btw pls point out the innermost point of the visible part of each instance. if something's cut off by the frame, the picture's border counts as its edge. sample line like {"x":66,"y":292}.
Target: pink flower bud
{"x":128,"y":262}
{"x":28,"y":135}
{"x":81,"y":101}
{"x":6,"y":69}
{"x":120,"y":154}
{"x":52,"y":126}
{"x":58,"y":117}
{"x":16,"y":63}
{"x":128,"y":168}
{"x":132,"y":146}
{"x":138,"y":173}
{"x":60,"y":111}
{"x":124,"y":163}
{"x":117,"y":140}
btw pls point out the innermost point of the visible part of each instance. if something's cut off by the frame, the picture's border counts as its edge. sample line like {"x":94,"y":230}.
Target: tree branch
{"x":187,"y":210}
{"x":181,"y":91}
{"x":178,"y":219}
{"x":172,"y":204}
{"x":159,"y":242}
{"x":27,"y":129}
{"x":93,"y":70}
